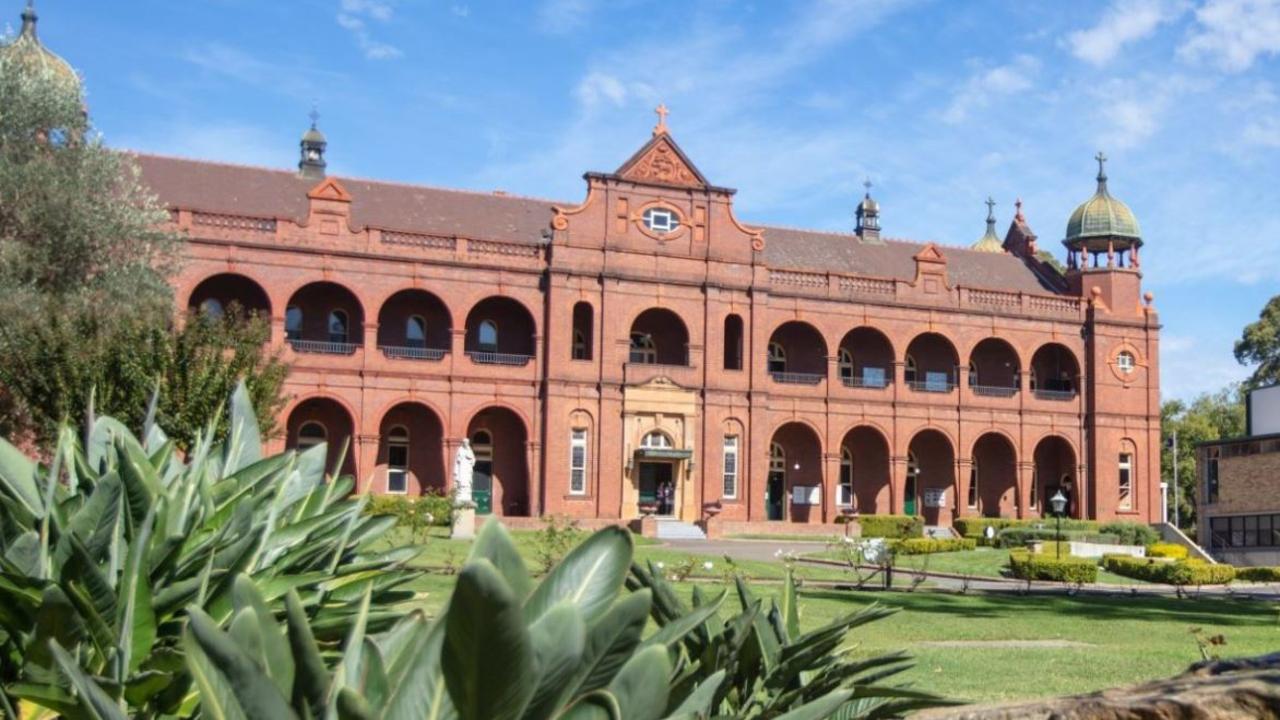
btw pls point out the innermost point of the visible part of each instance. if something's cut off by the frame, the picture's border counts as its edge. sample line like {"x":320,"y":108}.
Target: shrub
{"x":928,"y":546}
{"x":1019,"y":536}
{"x":1180,"y":573}
{"x":1258,"y":574}
{"x":1167,"y":550}
{"x":1131,"y":533}
{"x":892,"y":526}
{"x":977,"y":527}
{"x":415,"y":512}
{"x":557,"y":536}
{"x":1027,"y":566}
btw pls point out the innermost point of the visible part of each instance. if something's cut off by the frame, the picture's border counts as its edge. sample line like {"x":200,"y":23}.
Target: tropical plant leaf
{"x":256,"y":694}
{"x":589,"y":576}
{"x":612,"y":639}
{"x":136,"y":621}
{"x":599,"y":705}
{"x":698,"y":704}
{"x":558,"y":641}
{"x":642,"y":686}
{"x":95,"y":701}
{"x":484,"y":622}
{"x":494,"y":544}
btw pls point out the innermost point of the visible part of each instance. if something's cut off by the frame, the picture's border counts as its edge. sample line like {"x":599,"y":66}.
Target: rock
{"x":1243,"y":689}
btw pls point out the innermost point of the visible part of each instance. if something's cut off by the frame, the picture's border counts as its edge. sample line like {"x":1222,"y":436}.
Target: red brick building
{"x":645,"y":346}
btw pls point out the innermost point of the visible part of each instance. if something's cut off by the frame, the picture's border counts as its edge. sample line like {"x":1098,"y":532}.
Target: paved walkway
{"x":765,"y":550}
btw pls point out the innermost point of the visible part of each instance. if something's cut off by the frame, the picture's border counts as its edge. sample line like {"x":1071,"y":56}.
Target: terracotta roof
{"x":843,"y":252}
{"x":264,"y":192}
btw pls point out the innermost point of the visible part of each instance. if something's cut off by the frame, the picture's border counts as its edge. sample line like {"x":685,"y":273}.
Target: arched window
{"x":487,"y":336}
{"x":643,"y":349}
{"x":398,"y":460}
{"x":582,"y":329}
{"x":311,"y":434}
{"x":733,"y":342}
{"x":777,"y":358}
{"x":1124,"y":483}
{"x":844,"y":492}
{"x":212,"y":308}
{"x":845,"y":364}
{"x":293,"y":323}
{"x":578,"y":461}
{"x":338,"y":327}
{"x":656,"y":439}
{"x":777,"y":458}
{"x":910,"y":369}
{"x":579,"y":346}
{"x":415,"y":332}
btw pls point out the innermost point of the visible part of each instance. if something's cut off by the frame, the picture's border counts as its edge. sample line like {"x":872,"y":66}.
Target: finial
{"x":1101,"y":157}
{"x":29,"y":19}
{"x":1017,"y":215}
{"x":661,"y":127}
{"x":867,"y":184}
{"x":314,"y":115}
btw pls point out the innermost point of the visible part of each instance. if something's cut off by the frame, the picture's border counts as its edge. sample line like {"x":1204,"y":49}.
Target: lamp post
{"x":1059,"y":504}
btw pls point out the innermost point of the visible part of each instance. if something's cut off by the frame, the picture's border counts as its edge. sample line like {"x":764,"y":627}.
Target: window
{"x":1126,"y":481}
{"x":973,"y":375}
{"x":777,"y":358}
{"x":656,"y":439}
{"x":642,"y":349}
{"x":845,"y":364}
{"x":910,"y":369}
{"x":398,"y":461}
{"x":844,"y":491}
{"x":293,"y":323}
{"x":415,"y":332}
{"x":1245,"y":531}
{"x":777,"y":459}
{"x":578,"y":462}
{"x":873,"y":377}
{"x":582,"y":328}
{"x":661,"y":220}
{"x":1126,"y":362}
{"x":1211,"y":474}
{"x":311,"y":434}
{"x":730,"y":466}
{"x":973,"y":485}
{"x":487,"y":336}
{"x":337,"y":327}
{"x":1034,"y":499}
{"x":733,"y":342}
{"x":212,"y":308}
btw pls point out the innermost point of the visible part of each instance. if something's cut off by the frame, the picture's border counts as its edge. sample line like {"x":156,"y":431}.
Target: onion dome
{"x":989,"y":242}
{"x":1102,"y":220}
{"x":26,"y":52}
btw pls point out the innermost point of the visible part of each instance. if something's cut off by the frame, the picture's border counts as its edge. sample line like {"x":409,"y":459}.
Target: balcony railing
{"x":931,"y":386}
{"x":323,"y":347}
{"x":994,"y":390}
{"x":1059,"y":395}
{"x":797,"y":378}
{"x":859,"y":381}
{"x":401,"y":352}
{"x":497,"y":358}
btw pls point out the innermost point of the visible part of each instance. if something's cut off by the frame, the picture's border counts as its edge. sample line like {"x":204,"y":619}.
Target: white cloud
{"x":987,"y":85}
{"x":1124,"y":22}
{"x":1233,"y":33}
{"x":354,"y":16}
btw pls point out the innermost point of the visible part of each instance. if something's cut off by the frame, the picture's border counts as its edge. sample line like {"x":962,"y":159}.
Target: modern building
{"x":642,"y":349}
{"x":1239,"y":508}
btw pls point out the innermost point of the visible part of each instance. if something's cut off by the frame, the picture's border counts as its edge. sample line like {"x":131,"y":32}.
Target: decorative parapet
{"x":489,"y":247}
{"x":867,"y":286}
{"x":234,"y":222}
{"x":419,"y":240}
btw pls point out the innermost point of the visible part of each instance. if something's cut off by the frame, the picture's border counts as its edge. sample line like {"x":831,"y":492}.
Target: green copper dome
{"x":1103,"y":216}
{"x":27,"y":52}
{"x":989,"y":242}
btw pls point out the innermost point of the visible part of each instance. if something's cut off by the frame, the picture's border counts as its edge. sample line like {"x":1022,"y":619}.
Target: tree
{"x":1208,"y":417}
{"x":1260,"y":344}
{"x":84,"y":261}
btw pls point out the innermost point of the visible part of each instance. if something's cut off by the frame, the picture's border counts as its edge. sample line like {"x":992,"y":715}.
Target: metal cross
{"x":867,"y":184}
{"x":991,"y":205}
{"x":1101,"y":158}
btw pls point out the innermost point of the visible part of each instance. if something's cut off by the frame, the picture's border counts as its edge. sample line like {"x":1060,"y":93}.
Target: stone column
{"x":964,"y":469}
{"x":830,"y":481}
{"x":1026,"y":475}
{"x":365,"y":453}
{"x":897,"y":482}
{"x":532,"y":455}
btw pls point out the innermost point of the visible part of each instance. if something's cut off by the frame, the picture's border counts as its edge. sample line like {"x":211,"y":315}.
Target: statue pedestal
{"x":464,"y":524}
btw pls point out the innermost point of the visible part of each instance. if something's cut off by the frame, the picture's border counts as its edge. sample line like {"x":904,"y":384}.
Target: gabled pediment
{"x":329,"y":189}
{"x":930,"y":254}
{"x":662,"y":162}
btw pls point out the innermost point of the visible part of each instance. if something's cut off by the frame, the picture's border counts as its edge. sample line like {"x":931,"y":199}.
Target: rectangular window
{"x":1126,"y":481}
{"x":397,"y":468}
{"x":937,"y":381}
{"x":1211,"y":476}
{"x":873,"y":377}
{"x":578,"y":462}
{"x":730,"y":466}
{"x":973,"y":486}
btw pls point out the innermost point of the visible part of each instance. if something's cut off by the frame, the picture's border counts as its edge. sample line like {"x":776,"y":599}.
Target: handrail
{"x":323,"y":347}
{"x":403,"y":352}
{"x":797,"y":378}
{"x":995,"y":390}
{"x":1058,"y":395}
{"x":496,"y":358}
{"x":933,"y":387}
{"x":858,"y":381}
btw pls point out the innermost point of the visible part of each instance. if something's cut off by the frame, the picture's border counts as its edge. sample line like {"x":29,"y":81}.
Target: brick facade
{"x":911,"y":368}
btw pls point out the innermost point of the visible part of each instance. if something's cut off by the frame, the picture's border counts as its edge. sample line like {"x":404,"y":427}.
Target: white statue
{"x":464,"y":465}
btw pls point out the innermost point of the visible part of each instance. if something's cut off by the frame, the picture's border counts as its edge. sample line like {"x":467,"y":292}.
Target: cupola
{"x":867,"y":215}
{"x":27,"y":52}
{"x":313,"y":143}
{"x":1102,"y":224}
{"x":989,"y":242}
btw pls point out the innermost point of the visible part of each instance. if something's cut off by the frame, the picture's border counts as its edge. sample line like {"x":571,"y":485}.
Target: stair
{"x":1171,"y":534}
{"x":939,"y":531}
{"x":671,"y":529}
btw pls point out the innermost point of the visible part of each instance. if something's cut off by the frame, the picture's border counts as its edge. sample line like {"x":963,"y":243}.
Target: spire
{"x":29,"y":19}
{"x":311,"y":164}
{"x":867,"y":215}
{"x":989,"y":242}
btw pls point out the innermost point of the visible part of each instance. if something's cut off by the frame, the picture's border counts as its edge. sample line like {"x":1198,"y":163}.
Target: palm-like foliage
{"x":102,"y":552}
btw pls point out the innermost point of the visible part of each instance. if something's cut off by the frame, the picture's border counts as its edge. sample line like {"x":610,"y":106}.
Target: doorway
{"x":482,"y":474}
{"x":775,"y":489}
{"x":657,"y":487}
{"x":909,"y":492}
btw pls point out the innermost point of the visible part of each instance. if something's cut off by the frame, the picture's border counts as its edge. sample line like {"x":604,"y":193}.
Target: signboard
{"x":806,"y":495}
{"x":935,"y":497}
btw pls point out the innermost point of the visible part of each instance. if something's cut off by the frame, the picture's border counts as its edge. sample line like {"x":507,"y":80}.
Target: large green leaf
{"x":244,"y":441}
{"x":494,"y":544}
{"x":311,"y":678}
{"x":819,"y":709}
{"x":599,"y":705}
{"x":558,"y":642}
{"x":255,"y":692}
{"x":642,"y":685}
{"x":217,"y":697}
{"x":136,"y":620}
{"x":57,"y":620}
{"x":275,"y":649}
{"x":488,"y":655}
{"x":789,"y":609}
{"x":589,"y":577}
{"x":415,"y":676}
{"x":93,"y":698}
{"x":698,"y":704}
{"x":18,"y":479}
{"x":675,"y":631}
{"x":612,"y":639}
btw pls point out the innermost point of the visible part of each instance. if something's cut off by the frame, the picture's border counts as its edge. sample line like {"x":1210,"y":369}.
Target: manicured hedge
{"x":411,"y":511}
{"x":892,"y":526}
{"x":1018,"y":536}
{"x":1131,"y":533}
{"x":1027,"y":566}
{"x":928,"y":546}
{"x":1258,"y":574}
{"x":1180,"y":572}
{"x":1166,"y":550}
{"x":976,"y":527}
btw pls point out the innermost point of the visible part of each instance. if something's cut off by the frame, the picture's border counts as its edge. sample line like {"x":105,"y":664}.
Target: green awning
{"x":663,"y":454}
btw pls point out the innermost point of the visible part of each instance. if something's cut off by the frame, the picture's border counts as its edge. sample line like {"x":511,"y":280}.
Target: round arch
{"x":501,"y":482}
{"x":230,"y":289}
{"x":1055,"y":371}
{"x":324,"y":316}
{"x":414,"y":464}
{"x":928,"y":490}
{"x":414,"y":319}
{"x":992,"y":486}
{"x":864,"y":358}
{"x":794,"y":491}
{"x":1055,"y":468}
{"x":864,"y":481}
{"x":931,"y":362}
{"x":339,"y":424}
{"x":804,"y":349}
{"x":500,"y":324}
{"x":994,"y":367}
{"x":658,"y":336}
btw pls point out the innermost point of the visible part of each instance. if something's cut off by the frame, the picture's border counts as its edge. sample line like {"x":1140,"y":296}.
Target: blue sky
{"x":939,"y":102}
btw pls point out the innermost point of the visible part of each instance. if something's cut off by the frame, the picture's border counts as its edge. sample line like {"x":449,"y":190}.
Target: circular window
{"x":660,"y":220}
{"x":1126,"y":362}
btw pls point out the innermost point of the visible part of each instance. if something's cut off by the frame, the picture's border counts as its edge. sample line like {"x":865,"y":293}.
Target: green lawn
{"x":983,"y":562}
{"x":1123,"y":639}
